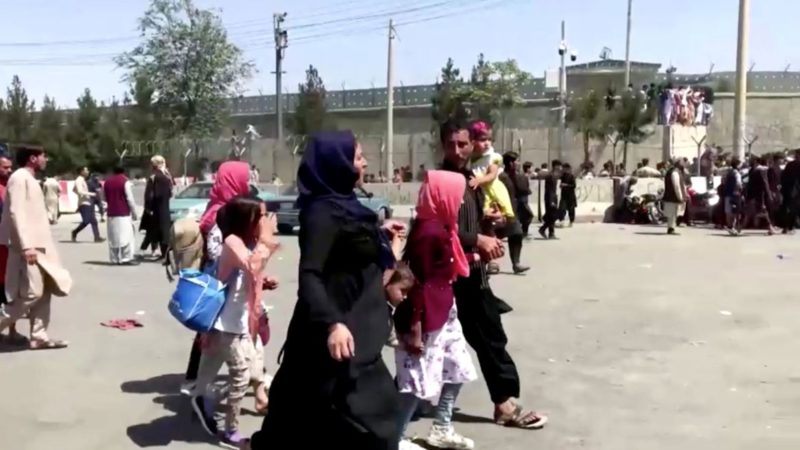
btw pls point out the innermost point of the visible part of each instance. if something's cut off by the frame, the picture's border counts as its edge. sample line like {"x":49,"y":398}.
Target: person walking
{"x":34,"y":273}
{"x":477,"y":305}
{"x":96,"y":188}
{"x":512,"y":229}
{"x":757,"y":195}
{"x":156,"y":220}
{"x":433,"y":361}
{"x":118,"y":192}
{"x":790,"y":193}
{"x":332,"y":370}
{"x":568,"y":201}
{"x":5,"y":172}
{"x":548,"y":228}
{"x":86,"y":202}
{"x":232,"y":181}
{"x":52,"y":190}
{"x":732,"y":189}
{"x":674,"y":194}
{"x":524,"y":192}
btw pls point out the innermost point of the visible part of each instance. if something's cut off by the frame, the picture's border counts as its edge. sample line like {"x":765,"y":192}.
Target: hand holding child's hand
{"x":413,"y":341}
{"x":474,"y":183}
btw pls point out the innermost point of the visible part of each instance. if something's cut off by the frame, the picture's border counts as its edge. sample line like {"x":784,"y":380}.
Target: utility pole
{"x":390,"y":104}
{"x":562,"y":93}
{"x":281,"y":42}
{"x":740,"y":102}
{"x":628,"y":47}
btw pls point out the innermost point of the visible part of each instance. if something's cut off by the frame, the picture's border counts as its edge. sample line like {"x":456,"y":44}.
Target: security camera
{"x":574,"y":55}
{"x":562,"y":48}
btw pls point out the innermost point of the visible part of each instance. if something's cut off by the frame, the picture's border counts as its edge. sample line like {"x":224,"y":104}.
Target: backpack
{"x":198,"y":299}
{"x":185,"y":249}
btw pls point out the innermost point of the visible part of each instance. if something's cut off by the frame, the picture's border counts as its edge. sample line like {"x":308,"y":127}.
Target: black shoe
{"x":99,"y":240}
{"x":74,"y":236}
{"x":518,"y":269}
{"x":552,"y":236}
{"x":206,"y":417}
{"x":542,"y":233}
{"x":671,"y":231}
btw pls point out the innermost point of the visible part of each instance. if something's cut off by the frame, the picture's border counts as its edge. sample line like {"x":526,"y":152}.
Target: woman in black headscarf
{"x":332,"y":388}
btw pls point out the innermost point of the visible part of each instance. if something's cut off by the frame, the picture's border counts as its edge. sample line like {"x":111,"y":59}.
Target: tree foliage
{"x":190,"y":63}
{"x":586,"y":115}
{"x":18,"y":113}
{"x":449,"y":100}
{"x":631,"y":120}
{"x":495,"y":87}
{"x":310,"y":115}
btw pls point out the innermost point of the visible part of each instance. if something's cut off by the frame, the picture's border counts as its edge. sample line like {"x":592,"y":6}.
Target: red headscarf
{"x":233,"y":180}
{"x":440,"y":198}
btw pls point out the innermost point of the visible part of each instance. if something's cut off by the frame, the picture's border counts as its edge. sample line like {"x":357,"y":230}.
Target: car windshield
{"x":196,"y":191}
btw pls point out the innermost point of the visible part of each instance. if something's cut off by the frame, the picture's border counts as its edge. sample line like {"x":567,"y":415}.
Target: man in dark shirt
{"x":478,"y":309}
{"x":548,"y":228}
{"x":790,"y":193}
{"x":523,"y":197}
{"x":512,"y":230}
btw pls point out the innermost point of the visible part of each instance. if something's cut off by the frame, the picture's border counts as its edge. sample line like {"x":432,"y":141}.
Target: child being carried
{"x":486,"y":165}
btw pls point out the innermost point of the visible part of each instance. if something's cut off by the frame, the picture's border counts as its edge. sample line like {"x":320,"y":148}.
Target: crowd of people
{"x":358,"y":280}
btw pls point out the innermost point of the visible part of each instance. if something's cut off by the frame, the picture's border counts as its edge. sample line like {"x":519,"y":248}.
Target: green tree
{"x":585,"y":116}
{"x":632,"y":121}
{"x":49,"y":132}
{"x":495,"y":88}
{"x":18,"y":113}
{"x":190,"y":62}
{"x":310,"y":115}
{"x":142,"y":111}
{"x":82,"y":130}
{"x":111,"y":135}
{"x":449,"y":100}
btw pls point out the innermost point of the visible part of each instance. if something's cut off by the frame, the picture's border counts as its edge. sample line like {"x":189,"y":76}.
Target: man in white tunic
{"x":121,"y":215}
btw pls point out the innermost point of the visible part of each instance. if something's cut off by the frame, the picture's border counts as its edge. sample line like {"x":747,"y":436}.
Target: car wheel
{"x":285,"y":229}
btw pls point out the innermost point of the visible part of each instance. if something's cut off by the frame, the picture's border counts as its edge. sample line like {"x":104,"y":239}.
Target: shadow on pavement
{"x":469,"y":418}
{"x":177,"y":427}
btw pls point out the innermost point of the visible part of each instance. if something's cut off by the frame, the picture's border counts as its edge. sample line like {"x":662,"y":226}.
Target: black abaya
{"x":316,"y":402}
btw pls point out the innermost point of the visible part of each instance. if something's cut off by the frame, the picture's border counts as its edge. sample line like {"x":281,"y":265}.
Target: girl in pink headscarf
{"x":233,"y":180}
{"x":432,"y":361}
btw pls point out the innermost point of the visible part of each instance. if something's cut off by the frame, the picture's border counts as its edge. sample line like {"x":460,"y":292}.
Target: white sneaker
{"x":187,"y":387}
{"x":406,"y":444}
{"x":447,"y":438}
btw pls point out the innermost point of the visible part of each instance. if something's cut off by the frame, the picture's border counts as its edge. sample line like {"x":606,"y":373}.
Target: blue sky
{"x":690,"y":34}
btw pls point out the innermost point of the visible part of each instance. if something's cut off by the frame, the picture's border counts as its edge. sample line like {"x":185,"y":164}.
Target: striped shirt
{"x":469,"y":226}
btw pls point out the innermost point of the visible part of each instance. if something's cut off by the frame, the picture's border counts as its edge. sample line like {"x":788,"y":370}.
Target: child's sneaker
{"x":447,"y":438}
{"x":205,"y":412}
{"x":407,"y":444}
{"x":231,"y":439}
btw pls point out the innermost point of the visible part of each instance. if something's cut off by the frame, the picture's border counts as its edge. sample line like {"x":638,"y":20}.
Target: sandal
{"x":526,"y":420}
{"x":37,"y":344}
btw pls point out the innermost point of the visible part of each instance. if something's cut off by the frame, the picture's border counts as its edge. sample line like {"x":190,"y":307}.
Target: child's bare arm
{"x":484,"y":180}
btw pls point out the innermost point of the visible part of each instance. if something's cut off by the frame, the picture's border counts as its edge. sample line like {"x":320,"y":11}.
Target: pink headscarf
{"x":233,"y":180}
{"x":440,"y":197}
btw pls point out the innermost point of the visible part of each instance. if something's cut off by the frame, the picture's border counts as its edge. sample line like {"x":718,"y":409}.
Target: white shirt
{"x":234,"y":316}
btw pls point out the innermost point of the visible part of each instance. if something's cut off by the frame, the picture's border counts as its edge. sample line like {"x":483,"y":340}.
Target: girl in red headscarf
{"x":432,"y":361}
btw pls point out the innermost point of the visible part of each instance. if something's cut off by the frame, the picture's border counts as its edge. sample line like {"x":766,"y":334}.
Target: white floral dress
{"x":444,"y":361}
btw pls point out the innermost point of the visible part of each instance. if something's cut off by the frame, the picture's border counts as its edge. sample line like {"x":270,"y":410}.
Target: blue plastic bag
{"x":198,"y":299}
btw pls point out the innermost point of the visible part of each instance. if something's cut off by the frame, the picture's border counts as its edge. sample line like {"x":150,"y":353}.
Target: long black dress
{"x":316,"y":402}
{"x":156,"y":219}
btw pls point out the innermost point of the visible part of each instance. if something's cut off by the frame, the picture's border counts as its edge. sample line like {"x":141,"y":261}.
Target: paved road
{"x":626,"y":338}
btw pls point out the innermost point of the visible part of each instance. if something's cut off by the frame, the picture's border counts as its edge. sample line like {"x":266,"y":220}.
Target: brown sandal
{"x":38,"y":344}
{"x":526,"y":420}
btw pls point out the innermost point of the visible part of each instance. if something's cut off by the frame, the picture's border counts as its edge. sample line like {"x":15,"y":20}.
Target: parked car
{"x":192,"y":201}
{"x":288,"y":214}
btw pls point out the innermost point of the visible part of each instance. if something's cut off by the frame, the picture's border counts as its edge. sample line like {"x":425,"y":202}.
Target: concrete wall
{"x":532,"y":131}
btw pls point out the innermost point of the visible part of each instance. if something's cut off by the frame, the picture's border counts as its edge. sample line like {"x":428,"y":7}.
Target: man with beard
{"x":790,"y":193}
{"x":35,"y":273}
{"x":478,"y":309}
